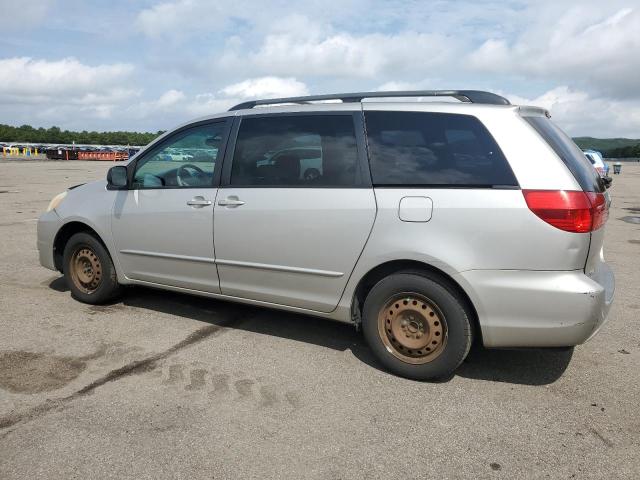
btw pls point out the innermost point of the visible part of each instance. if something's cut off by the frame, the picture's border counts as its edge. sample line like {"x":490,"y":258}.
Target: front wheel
{"x":89,"y":270}
{"x":416,"y":326}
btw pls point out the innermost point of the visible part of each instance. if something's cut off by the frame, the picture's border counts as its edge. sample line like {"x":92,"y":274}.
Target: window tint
{"x":569,"y":152}
{"x":292,"y":150}
{"x":434,"y":149}
{"x":185,"y":160}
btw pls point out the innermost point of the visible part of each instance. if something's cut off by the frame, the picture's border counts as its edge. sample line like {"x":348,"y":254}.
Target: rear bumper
{"x":540,"y":309}
{"x":48,"y":225}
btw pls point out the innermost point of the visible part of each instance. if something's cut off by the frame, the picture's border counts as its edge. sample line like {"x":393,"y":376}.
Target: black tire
{"x":101,"y":283}
{"x":385,"y":320}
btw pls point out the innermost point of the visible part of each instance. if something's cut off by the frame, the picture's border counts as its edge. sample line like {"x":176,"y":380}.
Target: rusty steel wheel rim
{"x":85,"y":269}
{"x":412,"y":328}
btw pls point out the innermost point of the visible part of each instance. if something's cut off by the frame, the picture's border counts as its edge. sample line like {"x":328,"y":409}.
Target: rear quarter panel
{"x":471,"y":229}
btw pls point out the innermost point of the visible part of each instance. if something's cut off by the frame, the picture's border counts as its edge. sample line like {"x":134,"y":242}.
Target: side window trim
{"x":225,"y":180}
{"x":358,"y":122}
{"x":363,"y":150}
{"x":217,"y":172}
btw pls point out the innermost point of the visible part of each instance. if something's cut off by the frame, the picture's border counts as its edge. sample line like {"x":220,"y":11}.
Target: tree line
{"x":631,"y":151}
{"x":29,"y":134}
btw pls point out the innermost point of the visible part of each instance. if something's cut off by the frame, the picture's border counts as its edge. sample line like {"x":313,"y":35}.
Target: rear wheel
{"x":416,"y":326}
{"x":89,"y":270}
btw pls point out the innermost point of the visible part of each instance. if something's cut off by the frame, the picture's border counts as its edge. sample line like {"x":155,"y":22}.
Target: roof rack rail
{"x":467,"y":96}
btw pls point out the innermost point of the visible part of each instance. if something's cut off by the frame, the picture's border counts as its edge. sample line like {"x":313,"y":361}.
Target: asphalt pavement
{"x":165,"y":385}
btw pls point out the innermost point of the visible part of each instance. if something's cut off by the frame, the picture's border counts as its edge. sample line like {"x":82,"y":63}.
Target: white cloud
{"x":395,"y":85}
{"x":181,"y":18}
{"x":170,"y":98}
{"x":63,"y":92}
{"x":177,"y":107}
{"x":583,"y":45}
{"x":308,"y":50}
{"x":195,"y":57}
{"x":263,"y":87}
{"x":581,"y":114}
{"x":266,"y":87}
{"x":25,"y":79}
{"x":208,"y":104}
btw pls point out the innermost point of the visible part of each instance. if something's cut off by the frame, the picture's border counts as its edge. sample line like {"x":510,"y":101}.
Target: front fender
{"x":92,"y":205}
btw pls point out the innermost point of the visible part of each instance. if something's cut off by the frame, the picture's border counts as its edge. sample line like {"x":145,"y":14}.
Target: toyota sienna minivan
{"x":427,"y":224}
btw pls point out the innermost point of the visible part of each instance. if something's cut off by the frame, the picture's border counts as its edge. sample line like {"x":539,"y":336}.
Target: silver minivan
{"x":428,"y":224}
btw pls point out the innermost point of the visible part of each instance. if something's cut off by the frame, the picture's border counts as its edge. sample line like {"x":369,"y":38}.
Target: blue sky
{"x":149,"y":65}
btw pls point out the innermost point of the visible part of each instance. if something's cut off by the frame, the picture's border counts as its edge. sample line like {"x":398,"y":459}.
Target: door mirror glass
{"x":117,"y":178}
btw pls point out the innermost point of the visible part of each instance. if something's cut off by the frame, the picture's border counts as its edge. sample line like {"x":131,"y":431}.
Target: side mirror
{"x":607,"y":181}
{"x":117,"y":178}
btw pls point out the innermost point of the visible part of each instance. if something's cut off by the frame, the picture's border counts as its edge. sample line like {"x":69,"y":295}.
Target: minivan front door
{"x":163,"y":225}
{"x":295,"y":210}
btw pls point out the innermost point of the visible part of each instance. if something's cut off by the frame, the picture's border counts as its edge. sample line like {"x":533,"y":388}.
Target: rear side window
{"x":434,"y":149}
{"x":296,"y":151}
{"x":568,"y":151}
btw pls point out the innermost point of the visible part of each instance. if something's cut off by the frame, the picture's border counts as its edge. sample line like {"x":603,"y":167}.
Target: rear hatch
{"x":591,"y":183}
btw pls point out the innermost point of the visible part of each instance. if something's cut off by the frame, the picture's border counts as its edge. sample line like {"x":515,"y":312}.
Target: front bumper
{"x":48,"y":225}
{"x":540,"y":308}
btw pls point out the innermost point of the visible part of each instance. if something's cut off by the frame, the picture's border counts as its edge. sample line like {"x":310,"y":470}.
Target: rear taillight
{"x":599,"y":209}
{"x":571,"y":211}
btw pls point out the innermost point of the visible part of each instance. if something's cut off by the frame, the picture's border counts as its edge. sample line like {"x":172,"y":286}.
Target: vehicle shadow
{"x":265,"y":321}
{"x":59,"y":284}
{"x":525,"y":367}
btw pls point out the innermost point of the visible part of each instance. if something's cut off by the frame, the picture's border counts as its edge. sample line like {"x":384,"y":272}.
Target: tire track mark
{"x":133,"y":368}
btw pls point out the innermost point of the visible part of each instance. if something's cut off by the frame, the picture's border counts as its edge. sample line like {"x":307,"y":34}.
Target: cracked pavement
{"x":164,"y":385}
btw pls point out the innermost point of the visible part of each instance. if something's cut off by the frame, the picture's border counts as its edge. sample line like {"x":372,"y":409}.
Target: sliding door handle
{"x":198,"y":202}
{"x":230,"y":202}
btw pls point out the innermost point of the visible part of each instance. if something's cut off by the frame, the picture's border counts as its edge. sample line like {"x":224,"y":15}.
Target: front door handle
{"x":232,"y":201}
{"x":198,"y":202}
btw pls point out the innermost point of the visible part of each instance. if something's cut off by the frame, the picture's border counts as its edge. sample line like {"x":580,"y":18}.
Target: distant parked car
{"x":309,"y":159}
{"x":597,"y":160}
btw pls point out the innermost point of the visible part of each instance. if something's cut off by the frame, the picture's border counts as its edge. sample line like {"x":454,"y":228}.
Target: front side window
{"x":434,"y":149}
{"x":296,"y":150}
{"x":185,"y":160}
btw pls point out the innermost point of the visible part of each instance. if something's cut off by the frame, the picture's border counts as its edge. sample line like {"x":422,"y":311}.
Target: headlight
{"x":55,"y":201}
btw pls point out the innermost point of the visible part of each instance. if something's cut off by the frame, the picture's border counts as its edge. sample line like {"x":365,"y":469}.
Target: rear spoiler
{"x":527,"y":110}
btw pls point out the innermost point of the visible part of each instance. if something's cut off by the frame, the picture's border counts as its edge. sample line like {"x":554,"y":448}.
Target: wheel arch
{"x":65,"y":233}
{"x":377,"y":273}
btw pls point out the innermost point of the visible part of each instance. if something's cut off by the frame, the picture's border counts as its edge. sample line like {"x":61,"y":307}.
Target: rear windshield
{"x":571,"y":155}
{"x":434,"y":149}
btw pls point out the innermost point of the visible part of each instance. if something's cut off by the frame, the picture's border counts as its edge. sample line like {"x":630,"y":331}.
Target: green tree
{"x":27,"y":133}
